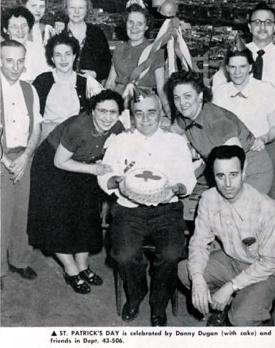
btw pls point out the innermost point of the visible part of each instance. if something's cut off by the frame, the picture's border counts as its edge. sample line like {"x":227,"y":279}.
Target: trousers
{"x":251,"y":305}
{"x":164,"y":226}
{"x":14,"y":214}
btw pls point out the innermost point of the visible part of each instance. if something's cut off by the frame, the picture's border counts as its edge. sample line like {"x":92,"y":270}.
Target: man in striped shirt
{"x":241,"y":275}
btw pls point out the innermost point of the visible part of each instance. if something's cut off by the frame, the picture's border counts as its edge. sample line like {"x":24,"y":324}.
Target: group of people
{"x":66,"y":151}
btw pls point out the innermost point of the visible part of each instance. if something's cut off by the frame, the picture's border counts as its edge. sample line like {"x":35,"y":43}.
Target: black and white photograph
{"x":137,"y":149}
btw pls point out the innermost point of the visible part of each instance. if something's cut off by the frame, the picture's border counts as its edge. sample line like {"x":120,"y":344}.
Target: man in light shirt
{"x":20,"y":120}
{"x":241,"y":275}
{"x":148,"y":147}
{"x":262,"y":27}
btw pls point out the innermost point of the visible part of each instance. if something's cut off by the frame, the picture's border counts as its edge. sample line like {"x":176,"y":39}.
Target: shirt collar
{"x":145,"y":137}
{"x":254,"y":48}
{"x":234,"y":92}
{"x":5,"y":82}
{"x":238,"y":206}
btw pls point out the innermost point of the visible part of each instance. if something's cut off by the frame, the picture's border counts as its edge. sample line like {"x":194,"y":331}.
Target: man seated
{"x":156,"y":155}
{"x":241,"y":275}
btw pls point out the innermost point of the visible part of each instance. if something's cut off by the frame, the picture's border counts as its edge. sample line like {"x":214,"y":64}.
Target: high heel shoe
{"x":91,"y":277}
{"x":76,"y":282}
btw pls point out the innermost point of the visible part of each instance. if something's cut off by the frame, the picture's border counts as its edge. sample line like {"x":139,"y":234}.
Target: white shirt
{"x":17,"y":120}
{"x":268,"y":65}
{"x":35,"y":61}
{"x":255,"y":106}
{"x":163,"y":151}
{"x":62,"y":100}
{"x":268,"y":60}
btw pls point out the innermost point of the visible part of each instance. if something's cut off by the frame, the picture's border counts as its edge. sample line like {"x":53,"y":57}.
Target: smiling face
{"x":63,"y":58}
{"x":238,"y":69}
{"x":147,"y":115}
{"x":37,"y":8}
{"x":262,"y":26}
{"x":229,"y":177}
{"x":187,"y":100}
{"x":105,"y":115}
{"x":136,"y":27}
{"x":18,"y":29}
{"x":12,"y":62}
{"x":77,"y":10}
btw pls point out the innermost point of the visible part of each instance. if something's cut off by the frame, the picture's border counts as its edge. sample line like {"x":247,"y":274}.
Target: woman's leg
{"x":69,"y":263}
{"x":81,"y":260}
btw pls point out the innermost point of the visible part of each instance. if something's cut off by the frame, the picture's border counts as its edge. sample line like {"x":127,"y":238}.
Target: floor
{"x":48,"y":301}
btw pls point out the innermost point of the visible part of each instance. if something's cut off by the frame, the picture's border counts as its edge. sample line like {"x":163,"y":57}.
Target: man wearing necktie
{"x":261,"y":25}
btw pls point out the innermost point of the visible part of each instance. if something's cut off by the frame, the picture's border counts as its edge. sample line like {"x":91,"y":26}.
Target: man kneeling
{"x":240,"y":276}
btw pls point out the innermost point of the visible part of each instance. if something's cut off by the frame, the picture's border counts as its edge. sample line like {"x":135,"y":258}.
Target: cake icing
{"x":146,"y":186}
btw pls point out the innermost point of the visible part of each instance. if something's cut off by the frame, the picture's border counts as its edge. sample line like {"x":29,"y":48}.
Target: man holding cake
{"x":151,"y":169}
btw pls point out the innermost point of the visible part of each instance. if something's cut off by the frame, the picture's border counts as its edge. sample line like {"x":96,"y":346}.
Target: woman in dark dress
{"x":95,"y":57}
{"x":64,"y":197}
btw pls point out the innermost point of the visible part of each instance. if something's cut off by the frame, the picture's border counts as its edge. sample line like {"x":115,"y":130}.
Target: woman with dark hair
{"x":207,"y":125}
{"x":95,"y":57}
{"x":62,"y":92}
{"x":127,"y":55}
{"x":17,"y":23}
{"x":241,"y":96}
{"x":64,"y":196}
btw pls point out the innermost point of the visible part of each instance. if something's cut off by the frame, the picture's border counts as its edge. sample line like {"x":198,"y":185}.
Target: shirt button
{"x":97,"y":146}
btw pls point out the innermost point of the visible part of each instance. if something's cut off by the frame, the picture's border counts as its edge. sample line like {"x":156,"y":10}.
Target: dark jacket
{"x":95,"y":54}
{"x":44,"y":82}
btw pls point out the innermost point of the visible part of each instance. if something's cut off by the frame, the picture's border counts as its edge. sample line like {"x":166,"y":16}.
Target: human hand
{"x":200,"y":294}
{"x":258,"y":145}
{"x":86,"y":73}
{"x":114,"y":181}
{"x":179,"y":189}
{"x":99,"y":169}
{"x":18,"y":166}
{"x":222,"y":297}
{"x":165,"y":124}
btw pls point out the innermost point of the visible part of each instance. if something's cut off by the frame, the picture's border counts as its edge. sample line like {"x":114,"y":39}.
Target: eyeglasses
{"x":104,"y":112}
{"x":266,"y":23}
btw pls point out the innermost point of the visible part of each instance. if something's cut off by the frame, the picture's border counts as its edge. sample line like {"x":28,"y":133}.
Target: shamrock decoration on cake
{"x":148,"y":174}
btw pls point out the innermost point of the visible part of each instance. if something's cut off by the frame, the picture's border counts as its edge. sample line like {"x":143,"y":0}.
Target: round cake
{"x":146,"y":186}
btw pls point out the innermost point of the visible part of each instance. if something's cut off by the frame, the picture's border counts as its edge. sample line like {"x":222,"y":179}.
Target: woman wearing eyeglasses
{"x":64,"y":197}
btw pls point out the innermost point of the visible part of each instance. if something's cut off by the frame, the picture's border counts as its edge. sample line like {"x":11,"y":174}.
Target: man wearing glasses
{"x":148,"y":146}
{"x":261,"y":25}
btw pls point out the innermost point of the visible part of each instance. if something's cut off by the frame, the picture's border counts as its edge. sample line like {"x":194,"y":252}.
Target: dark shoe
{"x":91,"y":277}
{"x":26,"y":273}
{"x":218,"y":319}
{"x":77,"y":284}
{"x":129,"y":313}
{"x":158,"y":320}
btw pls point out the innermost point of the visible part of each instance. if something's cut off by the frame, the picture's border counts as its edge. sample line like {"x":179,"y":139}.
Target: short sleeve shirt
{"x":79,"y":136}
{"x":125,"y":60}
{"x":213,"y":127}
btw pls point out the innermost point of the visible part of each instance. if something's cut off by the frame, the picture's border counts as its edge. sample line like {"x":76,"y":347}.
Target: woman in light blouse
{"x":62,"y":92}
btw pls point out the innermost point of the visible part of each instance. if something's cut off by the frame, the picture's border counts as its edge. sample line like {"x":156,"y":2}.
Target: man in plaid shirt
{"x":241,"y":275}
